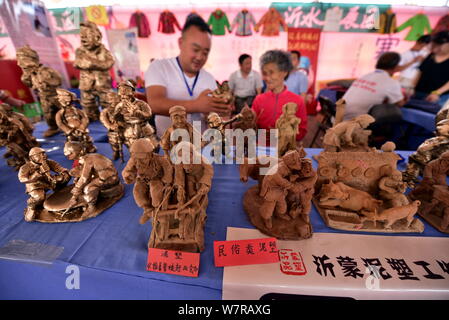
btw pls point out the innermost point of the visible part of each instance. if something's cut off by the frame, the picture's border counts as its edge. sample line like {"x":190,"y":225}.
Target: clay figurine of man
{"x":349,"y":134}
{"x":114,"y":126}
{"x":275,"y":187}
{"x":429,"y":150}
{"x":93,"y":173}
{"x":94,"y":61}
{"x":43,"y":80}
{"x":392,"y":188}
{"x":247,"y":120}
{"x":288,"y":126}
{"x":38,"y":178}
{"x":73,"y":121}
{"x":134,"y":113}
{"x":151,"y":174}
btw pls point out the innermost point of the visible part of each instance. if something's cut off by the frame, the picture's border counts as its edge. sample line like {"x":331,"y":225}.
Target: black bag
{"x":386,"y":113}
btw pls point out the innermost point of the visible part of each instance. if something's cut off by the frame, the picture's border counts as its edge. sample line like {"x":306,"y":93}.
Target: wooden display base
{"x":434,"y":221}
{"x":340,"y":219}
{"x":56,"y":205}
{"x":294,"y":229}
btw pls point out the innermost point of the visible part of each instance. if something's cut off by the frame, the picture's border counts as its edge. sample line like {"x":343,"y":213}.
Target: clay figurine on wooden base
{"x":94,"y":61}
{"x":44,"y":81}
{"x":429,"y":150}
{"x":16,"y":136}
{"x":288,"y":126}
{"x":280,"y":204}
{"x":363,"y":191}
{"x":73,"y":121}
{"x":433,"y":192}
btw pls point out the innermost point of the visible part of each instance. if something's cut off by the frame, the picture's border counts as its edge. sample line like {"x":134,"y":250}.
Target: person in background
{"x":245,"y":83}
{"x":182,"y":80}
{"x":432,"y":79}
{"x":276,"y":66}
{"x":410,"y":61}
{"x":297,"y":81}
{"x":375,"y":88}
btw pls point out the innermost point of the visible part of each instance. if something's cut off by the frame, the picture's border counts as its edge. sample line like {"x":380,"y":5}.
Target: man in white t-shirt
{"x":377,"y":87}
{"x":410,"y":61}
{"x":181,"y":80}
{"x":245,"y":83}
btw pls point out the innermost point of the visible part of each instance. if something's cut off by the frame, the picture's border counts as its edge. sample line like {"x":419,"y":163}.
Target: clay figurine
{"x":429,"y":150}
{"x":279,"y":205}
{"x":94,"y":61}
{"x":16,"y":135}
{"x":44,"y":81}
{"x":433,"y":192}
{"x":151,"y":174}
{"x":247,"y":120}
{"x":37,"y":176}
{"x":288,"y":126}
{"x":214,"y":121}
{"x":73,"y":121}
{"x":114,"y":126}
{"x":223,"y":93}
{"x":349,"y":135}
{"x":134,"y":114}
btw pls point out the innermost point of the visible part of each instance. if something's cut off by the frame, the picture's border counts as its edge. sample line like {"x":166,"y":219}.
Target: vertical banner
{"x":28,"y":22}
{"x":123,"y":45}
{"x":307,"y":42}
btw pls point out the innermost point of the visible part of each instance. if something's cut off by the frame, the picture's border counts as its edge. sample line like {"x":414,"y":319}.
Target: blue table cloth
{"x":110,"y":250}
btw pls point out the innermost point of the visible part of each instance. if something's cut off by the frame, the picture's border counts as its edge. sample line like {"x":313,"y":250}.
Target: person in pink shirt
{"x":276,"y":66}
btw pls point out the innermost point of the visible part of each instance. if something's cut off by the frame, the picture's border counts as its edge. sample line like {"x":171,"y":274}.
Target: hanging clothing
{"x":167,"y":22}
{"x":419,"y":24}
{"x":244,"y":20}
{"x":271,"y":21}
{"x":218,"y":20}
{"x":387,"y":22}
{"x":139,"y":19}
{"x":442,"y":24}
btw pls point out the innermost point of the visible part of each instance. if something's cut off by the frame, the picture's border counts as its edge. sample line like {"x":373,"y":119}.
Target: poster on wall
{"x":27,"y":22}
{"x":123,"y":45}
{"x":307,"y":42}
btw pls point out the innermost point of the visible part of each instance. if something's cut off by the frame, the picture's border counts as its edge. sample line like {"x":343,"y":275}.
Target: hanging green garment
{"x":218,"y":20}
{"x":419,"y":23}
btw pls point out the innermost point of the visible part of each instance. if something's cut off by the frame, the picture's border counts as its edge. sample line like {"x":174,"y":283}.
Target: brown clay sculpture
{"x":288,"y":127}
{"x":114,"y":125}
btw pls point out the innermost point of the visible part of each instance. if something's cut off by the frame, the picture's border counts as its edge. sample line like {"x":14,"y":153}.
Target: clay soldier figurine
{"x":16,"y":137}
{"x":349,"y":135}
{"x":113,"y":125}
{"x":392,"y":189}
{"x":178,"y":117}
{"x":214,"y":121}
{"x":134,"y":113}
{"x":192,"y":182}
{"x":73,"y":121}
{"x":288,"y":126}
{"x":38,"y":178}
{"x":44,"y":80}
{"x":247,"y":120}
{"x":151,"y":174}
{"x":94,"y":176}
{"x":94,"y":62}
{"x":429,"y":150}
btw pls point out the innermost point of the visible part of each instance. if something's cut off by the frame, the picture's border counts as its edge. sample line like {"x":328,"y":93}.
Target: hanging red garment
{"x":167,"y":22}
{"x":138,"y":19}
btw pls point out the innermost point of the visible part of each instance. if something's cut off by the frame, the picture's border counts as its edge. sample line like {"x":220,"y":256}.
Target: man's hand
{"x":207,"y":103}
{"x":433,"y":97}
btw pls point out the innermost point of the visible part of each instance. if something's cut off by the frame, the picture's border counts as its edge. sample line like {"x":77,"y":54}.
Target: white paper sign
{"x":399,"y":268}
{"x":123,"y":45}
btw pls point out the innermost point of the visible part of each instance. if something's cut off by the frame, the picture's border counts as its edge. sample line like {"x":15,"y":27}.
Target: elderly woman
{"x":276,"y":66}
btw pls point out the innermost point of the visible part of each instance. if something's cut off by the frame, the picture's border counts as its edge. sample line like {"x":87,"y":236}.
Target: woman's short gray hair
{"x":281,"y":58}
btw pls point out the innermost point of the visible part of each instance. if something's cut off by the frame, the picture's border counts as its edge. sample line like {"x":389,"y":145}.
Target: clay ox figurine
{"x":174,"y":196}
{"x":94,"y":61}
{"x":433,"y":192}
{"x":73,"y":121}
{"x":349,"y":135}
{"x":134,"y":114}
{"x":37,"y":175}
{"x":429,"y":150}
{"x":44,"y":80}
{"x":114,"y":126}
{"x":288,"y":126}
{"x":16,"y":135}
{"x":280,"y":204}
